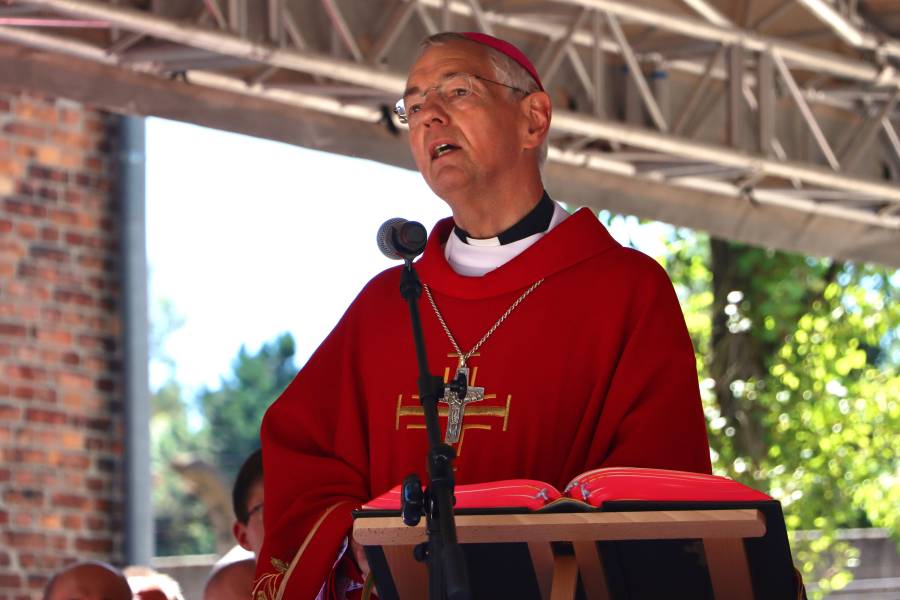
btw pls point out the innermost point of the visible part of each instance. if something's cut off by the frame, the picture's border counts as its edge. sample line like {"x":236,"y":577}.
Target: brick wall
{"x":61,"y":417}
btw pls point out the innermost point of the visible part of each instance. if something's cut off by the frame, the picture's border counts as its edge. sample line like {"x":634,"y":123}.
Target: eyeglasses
{"x":455,"y":88}
{"x":256,"y":509}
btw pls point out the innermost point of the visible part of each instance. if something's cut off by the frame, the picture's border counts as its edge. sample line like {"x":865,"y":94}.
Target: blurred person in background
{"x":88,"y":580}
{"x":232,"y":576}
{"x":147,"y":584}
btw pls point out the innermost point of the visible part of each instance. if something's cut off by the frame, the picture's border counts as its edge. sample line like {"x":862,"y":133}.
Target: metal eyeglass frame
{"x":400,"y":109}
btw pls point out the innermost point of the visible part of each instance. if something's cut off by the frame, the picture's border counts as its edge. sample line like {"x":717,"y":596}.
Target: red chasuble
{"x":593,"y":369}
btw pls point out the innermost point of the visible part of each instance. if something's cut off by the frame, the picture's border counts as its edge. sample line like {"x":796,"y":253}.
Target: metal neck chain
{"x":463,"y":357}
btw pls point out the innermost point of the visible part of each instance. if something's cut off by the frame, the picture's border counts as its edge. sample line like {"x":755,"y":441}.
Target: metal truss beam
{"x":800,"y":56}
{"x":231,"y":45}
{"x":392,"y":83}
{"x":650,"y":140}
{"x":739,"y":161}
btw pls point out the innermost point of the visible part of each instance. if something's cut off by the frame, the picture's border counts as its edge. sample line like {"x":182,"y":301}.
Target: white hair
{"x":506,"y":71}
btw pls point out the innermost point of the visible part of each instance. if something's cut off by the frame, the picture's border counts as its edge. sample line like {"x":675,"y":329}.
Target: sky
{"x":248,"y":238}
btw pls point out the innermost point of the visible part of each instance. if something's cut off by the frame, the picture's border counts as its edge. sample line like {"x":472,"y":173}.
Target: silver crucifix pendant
{"x":457,"y":405}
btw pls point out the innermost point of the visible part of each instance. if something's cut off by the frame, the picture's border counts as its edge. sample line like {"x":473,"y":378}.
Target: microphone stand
{"x":447,"y":578}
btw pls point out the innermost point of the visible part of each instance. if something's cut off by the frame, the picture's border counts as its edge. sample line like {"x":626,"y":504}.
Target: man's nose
{"x":433,"y":111}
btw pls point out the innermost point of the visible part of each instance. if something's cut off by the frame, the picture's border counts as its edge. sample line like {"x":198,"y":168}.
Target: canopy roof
{"x":772,"y":122}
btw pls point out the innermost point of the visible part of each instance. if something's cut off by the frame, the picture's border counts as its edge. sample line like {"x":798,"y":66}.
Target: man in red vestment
{"x":575,"y":346}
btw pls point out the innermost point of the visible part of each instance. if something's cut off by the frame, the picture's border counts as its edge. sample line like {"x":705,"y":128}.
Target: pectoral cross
{"x":457,"y":404}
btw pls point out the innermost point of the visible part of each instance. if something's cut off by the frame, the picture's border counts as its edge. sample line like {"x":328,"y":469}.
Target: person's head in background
{"x":88,"y":580}
{"x":231,"y":581}
{"x":247,"y":503}
{"x":147,"y":584}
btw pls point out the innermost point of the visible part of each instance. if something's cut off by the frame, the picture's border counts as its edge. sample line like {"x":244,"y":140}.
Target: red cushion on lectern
{"x":658,"y":485}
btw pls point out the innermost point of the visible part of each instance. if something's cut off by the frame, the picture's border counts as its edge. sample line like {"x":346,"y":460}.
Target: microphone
{"x":399,"y":239}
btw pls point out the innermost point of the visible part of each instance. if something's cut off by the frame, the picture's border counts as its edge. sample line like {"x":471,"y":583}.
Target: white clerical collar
{"x":476,"y":259}
{"x":484,"y":243}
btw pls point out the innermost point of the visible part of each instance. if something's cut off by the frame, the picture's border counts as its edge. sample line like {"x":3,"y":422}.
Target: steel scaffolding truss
{"x":765,"y":106}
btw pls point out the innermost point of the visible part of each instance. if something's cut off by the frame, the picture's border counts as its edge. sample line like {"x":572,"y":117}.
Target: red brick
{"x":49,"y":234}
{"x":63,"y":217}
{"x":70,"y":501}
{"x":73,"y":522}
{"x":23,"y":497}
{"x":24,"y":456}
{"x":44,"y":173}
{"x":13,"y":330}
{"x":49,"y":253}
{"x":34,"y":478}
{"x":25,"y":392}
{"x":36,"y":111}
{"x":48,"y":193}
{"x":74,"y":297}
{"x":54,"y":336}
{"x":101,"y":546}
{"x":19,"y":539}
{"x":25,"y":130}
{"x":72,"y":461}
{"x":71,"y":139}
{"x":74,"y":381}
{"x":26,"y":372}
{"x":8,"y":413}
{"x":70,"y":117}
{"x":23,"y":519}
{"x":12,"y":167}
{"x":73,"y":480}
{"x":72,"y":440}
{"x":25,"y":209}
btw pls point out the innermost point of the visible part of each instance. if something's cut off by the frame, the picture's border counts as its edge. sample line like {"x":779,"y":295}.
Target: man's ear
{"x":239,"y":530}
{"x":537,"y":111}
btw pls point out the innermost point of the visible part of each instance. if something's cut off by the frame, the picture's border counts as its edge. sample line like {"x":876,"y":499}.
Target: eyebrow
{"x":414,"y":89}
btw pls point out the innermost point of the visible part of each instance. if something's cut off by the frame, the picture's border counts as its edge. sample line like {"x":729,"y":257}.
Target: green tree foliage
{"x":181,"y":521}
{"x":233,"y":413}
{"x":220,"y":427}
{"x":798,"y":360}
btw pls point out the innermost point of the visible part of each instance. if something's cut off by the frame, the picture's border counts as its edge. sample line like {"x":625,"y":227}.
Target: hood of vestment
{"x":578,"y":238}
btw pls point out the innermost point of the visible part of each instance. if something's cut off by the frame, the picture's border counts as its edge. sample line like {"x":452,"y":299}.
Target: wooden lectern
{"x":636,"y":550}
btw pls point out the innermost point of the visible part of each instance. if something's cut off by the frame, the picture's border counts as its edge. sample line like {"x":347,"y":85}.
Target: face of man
{"x":483,"y":130}
{"x":90,"y":582}
{"x":250,"y":534}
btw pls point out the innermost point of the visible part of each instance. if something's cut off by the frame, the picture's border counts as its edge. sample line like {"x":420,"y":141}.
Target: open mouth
{"x":442,"y":149}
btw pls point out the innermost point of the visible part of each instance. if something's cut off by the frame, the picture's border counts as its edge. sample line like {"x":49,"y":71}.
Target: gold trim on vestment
{"x":462,"y":435}
{"x":506,"y":413}
{"x":299,"y":554}
{"x":485,"y":411}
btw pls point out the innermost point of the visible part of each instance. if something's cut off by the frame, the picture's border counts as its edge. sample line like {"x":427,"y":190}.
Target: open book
{"x":591,"y":490}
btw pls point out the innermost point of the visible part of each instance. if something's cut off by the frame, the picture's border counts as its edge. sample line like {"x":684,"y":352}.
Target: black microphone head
{"x":385,"y":238}
{"x":399,"y":239}
{"x":411,"y":238}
